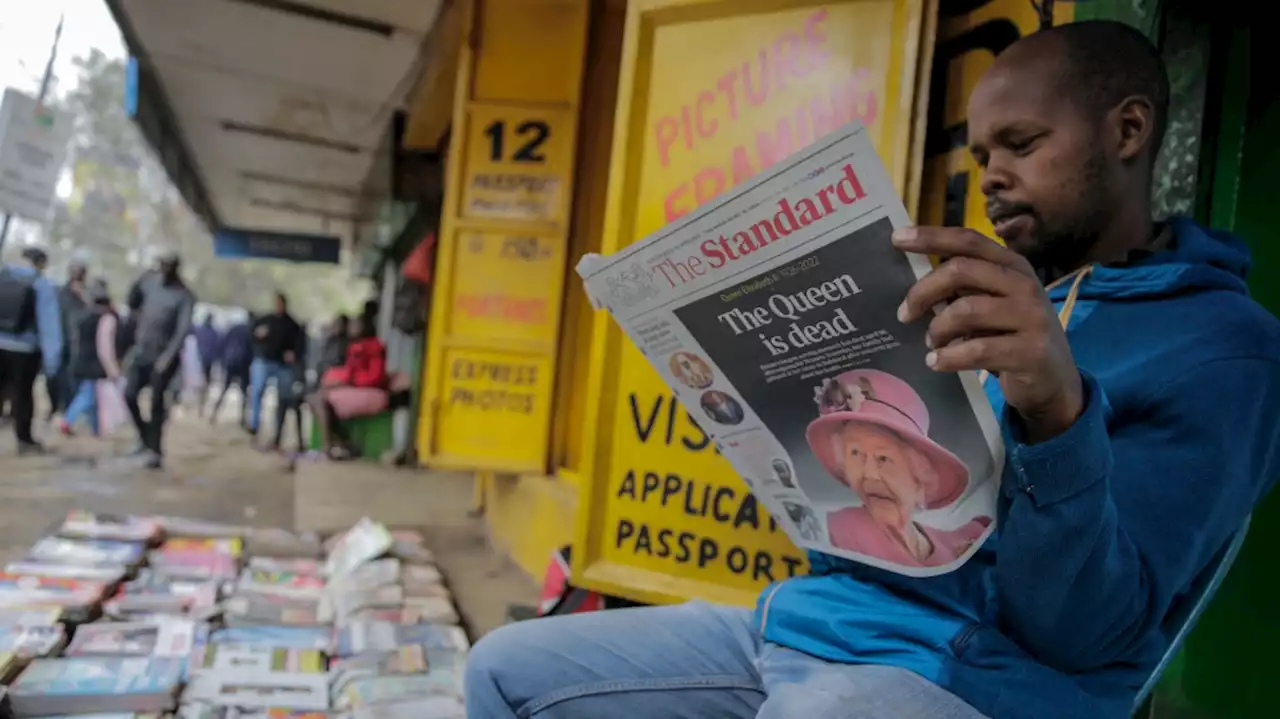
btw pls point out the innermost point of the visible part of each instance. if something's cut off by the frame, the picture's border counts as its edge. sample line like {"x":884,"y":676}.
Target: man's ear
{"x":1134,"y":123}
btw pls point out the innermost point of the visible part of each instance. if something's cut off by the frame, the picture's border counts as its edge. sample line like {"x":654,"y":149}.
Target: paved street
{"x":214,"y":473}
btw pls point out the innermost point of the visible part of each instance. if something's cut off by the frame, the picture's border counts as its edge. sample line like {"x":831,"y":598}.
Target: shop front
{"x":580,"y":127}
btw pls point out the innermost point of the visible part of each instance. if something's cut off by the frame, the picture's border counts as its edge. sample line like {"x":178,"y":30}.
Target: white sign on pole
{"x":33,"y":148}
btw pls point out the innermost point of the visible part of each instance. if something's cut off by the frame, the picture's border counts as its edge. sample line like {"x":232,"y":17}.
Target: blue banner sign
{"x":265,"y":245}
{"x":131,"y":87}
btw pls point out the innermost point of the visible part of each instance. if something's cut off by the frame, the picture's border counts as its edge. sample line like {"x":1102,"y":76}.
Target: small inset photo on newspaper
{"x":787,"y":347}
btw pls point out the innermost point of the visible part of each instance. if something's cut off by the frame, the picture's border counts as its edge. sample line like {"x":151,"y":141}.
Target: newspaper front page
{"x":772,"y":313}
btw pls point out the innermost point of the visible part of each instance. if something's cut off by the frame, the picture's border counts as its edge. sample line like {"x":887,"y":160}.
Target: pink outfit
{"x":854,"y":529}
{"x":879,"y":399}
{"x":106,"y":344}
{"x":351,"y":402}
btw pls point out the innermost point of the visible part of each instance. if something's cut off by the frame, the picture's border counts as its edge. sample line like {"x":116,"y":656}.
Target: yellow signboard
{"x":518,"y":162}
{"x":494,"y":405}
{"x":496,"y":306}
{"x":507,"y":287}
{"x":713,"y":92}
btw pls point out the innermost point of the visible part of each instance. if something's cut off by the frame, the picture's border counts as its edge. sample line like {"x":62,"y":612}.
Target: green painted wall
{"x":1229,"y":668}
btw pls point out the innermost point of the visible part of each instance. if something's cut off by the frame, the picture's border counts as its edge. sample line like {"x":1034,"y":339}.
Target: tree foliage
{"x":123,"y":210}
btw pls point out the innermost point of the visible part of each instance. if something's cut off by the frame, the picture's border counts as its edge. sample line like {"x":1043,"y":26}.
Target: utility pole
{"x":44,"y":92}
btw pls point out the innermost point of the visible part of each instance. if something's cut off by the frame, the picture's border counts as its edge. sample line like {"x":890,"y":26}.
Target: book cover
{"x":367,"y":690}
{"x":319,"y":638}
{"x":168,"y":637}
{"x":46,"y":617}
{"x":360,"y":637}
{"x":91,"y":552}
{"x":282,"y":583}
{"x":24,"y":591}
{"x":96,"y":525}
{"x":108,"y":573}
{"x":437,"y":707}
{"x":251,"y":658}
{"x":300,"y":565}
{"x":32,"y":641}
{"x":94,"y":676}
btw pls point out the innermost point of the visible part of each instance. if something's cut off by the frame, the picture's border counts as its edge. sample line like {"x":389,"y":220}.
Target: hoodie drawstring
{"x":1068,"y":304}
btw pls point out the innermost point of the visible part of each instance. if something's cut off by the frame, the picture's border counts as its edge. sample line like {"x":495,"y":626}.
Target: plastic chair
{"x":1178,"y":625}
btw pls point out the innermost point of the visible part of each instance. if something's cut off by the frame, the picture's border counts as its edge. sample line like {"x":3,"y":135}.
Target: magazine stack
{"x":156,"y":616}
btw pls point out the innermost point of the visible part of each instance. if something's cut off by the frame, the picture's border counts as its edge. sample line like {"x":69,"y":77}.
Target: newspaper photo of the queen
{"x":893,"y":457}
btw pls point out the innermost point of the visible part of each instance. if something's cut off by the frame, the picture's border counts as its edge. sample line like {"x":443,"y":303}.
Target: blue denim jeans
{"x":690,"y":660}
{"x":85,"y":401}
{"x":262,"y":372}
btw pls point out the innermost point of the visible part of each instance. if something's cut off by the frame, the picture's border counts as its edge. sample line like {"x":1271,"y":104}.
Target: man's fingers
{"x":974,"y":316}
{"x":997,"y":353}
{"x":955,"y":242}
{"x":960,"y":276}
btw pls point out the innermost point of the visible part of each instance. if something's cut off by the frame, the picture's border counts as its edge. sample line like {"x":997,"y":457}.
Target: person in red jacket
{"x":358,"y":388}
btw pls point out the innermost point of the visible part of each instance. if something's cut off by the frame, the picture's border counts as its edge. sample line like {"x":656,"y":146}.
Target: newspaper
{"x":772,"y":313}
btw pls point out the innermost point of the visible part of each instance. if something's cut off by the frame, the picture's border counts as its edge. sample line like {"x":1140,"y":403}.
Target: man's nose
{"x":996,"y":178}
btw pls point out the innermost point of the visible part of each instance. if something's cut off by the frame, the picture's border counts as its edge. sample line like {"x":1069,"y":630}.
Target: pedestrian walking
{"x":164,"y":319}
{"x":30,"y":339}
{"x":279,"y":340}
{"x":95,"y":362}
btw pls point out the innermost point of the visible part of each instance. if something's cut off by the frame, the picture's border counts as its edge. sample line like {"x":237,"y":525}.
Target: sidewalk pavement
{"x":214,"y":473}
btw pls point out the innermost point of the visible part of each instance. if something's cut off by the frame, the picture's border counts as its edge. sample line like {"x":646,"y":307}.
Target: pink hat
{"x":879,"y":399}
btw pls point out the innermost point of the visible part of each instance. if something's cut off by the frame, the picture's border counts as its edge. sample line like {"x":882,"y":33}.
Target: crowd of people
{"x":90,"y":352}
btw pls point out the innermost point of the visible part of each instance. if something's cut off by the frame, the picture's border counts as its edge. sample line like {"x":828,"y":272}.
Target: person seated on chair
{"x":356,"y":389}
{"x":1138,"y":391}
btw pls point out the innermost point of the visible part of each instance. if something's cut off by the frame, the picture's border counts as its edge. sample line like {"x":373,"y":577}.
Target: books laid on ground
{"x":91,"y":525}
{"x":291,"y":585}
{"x":363,"y":691}
{"x":46,"y":617}
{"x":351,"y":682}
{"x":247,"y":610}
{"x":283,"y":543}
{"x":193,"y":558}
{"x":151,"y":594}
{"x":771,"y":312}
{"x":436,"y":707}
{"x":319,"y":638}
{"x":108,"y":573}
{"x":258,"y":677}
{"x":364,"y":542}
{"x":87,"y":552}
{"x":266,"y":656}
{"x":161,"y":637}
{"x":32,"y":642}
{"x":310,"y":567}
{"x":81,"y":685}
{"x":76,"y":598}
{"x":371,"y":636}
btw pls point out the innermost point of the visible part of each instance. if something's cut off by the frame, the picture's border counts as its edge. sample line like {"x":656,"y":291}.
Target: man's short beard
{"x":1064,"y":246}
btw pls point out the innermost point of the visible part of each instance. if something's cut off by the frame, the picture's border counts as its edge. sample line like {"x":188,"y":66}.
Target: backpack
{"x":17,"y":302}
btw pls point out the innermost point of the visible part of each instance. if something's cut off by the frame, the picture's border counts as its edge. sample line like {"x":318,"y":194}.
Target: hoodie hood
{"x":1198,"y":259}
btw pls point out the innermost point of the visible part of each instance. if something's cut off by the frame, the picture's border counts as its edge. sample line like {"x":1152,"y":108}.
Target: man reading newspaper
{"x":1138,"y":392}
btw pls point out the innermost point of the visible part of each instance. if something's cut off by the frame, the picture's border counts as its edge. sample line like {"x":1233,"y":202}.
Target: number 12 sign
{"x":518,"y":164}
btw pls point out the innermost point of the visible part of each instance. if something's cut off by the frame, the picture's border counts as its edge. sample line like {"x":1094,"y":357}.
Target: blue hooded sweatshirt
{"x":46,"y":338}
{"x":1100,"y":529}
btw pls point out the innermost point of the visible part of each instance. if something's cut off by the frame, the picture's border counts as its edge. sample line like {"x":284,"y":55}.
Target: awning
{"x":268,"y":114}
